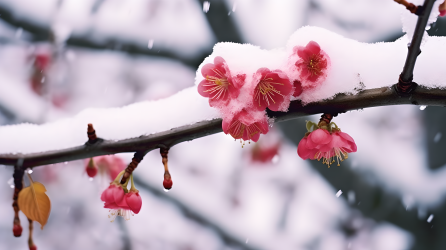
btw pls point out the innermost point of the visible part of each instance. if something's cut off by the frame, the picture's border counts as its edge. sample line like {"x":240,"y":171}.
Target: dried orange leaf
{"x":34,"y":203}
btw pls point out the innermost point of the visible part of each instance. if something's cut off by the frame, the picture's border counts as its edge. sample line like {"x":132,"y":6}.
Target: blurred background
{"x":58,"y":57}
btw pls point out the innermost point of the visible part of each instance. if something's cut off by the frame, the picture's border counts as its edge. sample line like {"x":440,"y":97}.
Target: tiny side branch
{"x":341,"y":103}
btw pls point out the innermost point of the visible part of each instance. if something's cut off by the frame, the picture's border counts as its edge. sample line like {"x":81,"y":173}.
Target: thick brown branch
{"x":340,"y":104}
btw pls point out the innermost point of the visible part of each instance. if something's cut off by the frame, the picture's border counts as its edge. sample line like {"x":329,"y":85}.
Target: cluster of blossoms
{"x":269,"y":88}
{"x":120,"y":200}
{"x":325,"y":141}
{"x":272,"y":89}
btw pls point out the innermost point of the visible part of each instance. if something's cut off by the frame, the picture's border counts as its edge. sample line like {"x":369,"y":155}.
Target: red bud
{"x":17,"y":230}
{"x":167,"y":184}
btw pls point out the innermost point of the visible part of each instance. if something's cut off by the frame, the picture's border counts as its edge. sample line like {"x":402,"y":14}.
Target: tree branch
{"x":340,"y":104}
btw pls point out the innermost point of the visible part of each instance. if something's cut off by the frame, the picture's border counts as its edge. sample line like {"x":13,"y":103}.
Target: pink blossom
{"x":134,"y":201}
{"x":339,"y":147}
{"x":107,"y":164}
{"x":111,"y":163}
{"x":272,"y":90}
{"x":310,"y":146}
{"x":120,"y":201}
{"x":219,"y":85}
{"x":245,"y":125}
{"x":113,"y":197}
{"x":264,"y":153}
{"x":312,"y":65}
{"x":320,"y":144}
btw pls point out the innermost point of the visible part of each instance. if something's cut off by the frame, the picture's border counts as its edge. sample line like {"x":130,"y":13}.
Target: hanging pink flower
{"x":321,"y":144}
{"x":246,"y":126}
{"x":272,"y":90}
{"x":311,"y":145}
{"x":219,"y":85}
{"x":113,"y":196}
{"x":312,"y":65}
{"x":134,"y":201}
{"x":340,"y":145}
{"x":119,"y":200}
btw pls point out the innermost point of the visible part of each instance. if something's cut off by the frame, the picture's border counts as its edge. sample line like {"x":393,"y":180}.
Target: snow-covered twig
{"x":341,"y":103}
{"x":405,"y":83}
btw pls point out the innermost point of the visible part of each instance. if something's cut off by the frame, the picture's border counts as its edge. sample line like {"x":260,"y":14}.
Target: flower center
{"x":314,"y":65}
{"x":265,"y":91}
{"x":237,"y":129}
{"x":124,"y":213}
{"x":329,"y":157}
{"x":218,"y":85}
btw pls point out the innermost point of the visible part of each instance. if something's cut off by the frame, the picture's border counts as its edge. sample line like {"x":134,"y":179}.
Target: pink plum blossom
{"x":219,"y":85}
{"x":272,"y":90}
{"x":246,"y":125}
{"x":312,"y":65}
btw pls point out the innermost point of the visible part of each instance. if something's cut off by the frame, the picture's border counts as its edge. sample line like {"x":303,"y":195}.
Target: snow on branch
{"x":341,"y":103}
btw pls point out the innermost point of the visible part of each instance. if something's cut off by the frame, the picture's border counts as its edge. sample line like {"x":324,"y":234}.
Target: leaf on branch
{"x":34,"y":203}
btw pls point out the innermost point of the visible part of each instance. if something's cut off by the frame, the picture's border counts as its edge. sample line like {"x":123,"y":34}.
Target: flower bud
{"x":17,"y":230}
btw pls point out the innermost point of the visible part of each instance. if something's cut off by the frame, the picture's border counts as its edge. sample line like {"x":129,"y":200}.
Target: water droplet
{"x":206,"y":6}
{"x":247,"y":240}
{"x":339,"y":193}
{"x":229,"y":13}
{"x":10,"y":182}
{"x":30,"y":171}
{"x":166,"y":190}
{"x":431,"y":217}
{"x":437,"y":137}
{"x":90,"y":179}
{"x":275,"y":159}
{"x":42,"y":80}
{"x":150,"y":44}
{"x":423,"y":107}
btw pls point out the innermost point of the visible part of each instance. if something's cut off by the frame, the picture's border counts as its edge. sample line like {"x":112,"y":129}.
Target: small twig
{"x":167,"y":183}
{"x":30,"y":237}
{"x":410,"y":6}
{"x":137,"y":158}
{"x":405,"y":85}
{"x":18,"y":185}
{"x":92,"y":138}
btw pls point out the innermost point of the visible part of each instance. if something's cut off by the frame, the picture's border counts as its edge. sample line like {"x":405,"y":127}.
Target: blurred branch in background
{"x":375,"y":201}
{"x":43,"y":33}
{"x":226,"y":237}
